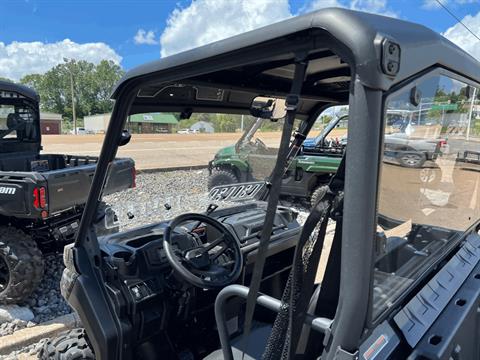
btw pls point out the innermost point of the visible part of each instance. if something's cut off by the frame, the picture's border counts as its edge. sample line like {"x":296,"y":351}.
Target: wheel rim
{"x":4,"y":274}
{"x":411,"y":159}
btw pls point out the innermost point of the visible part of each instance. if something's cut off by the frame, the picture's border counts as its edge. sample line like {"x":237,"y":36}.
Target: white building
{"x":96,"y":123}
{"x":203,"y":127}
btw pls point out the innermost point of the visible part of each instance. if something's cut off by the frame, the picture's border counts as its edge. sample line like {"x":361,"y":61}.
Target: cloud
{"x":463,"y":38}
{"x":433,"y":4}
{"x":18,"y":59}
{"x":205,"y":21}
{"x":371,"y":6}
{"x":319,"y":4}
{"x":145,"y":37}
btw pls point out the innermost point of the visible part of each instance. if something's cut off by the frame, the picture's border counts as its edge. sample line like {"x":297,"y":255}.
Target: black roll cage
{"x":366,"y":104}
{"x":355,"y":277}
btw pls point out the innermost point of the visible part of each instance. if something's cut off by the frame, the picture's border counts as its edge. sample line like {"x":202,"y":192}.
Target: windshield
{"x":430,"y":181}
{"x":180,"y":161}
{"x":331,"y":125}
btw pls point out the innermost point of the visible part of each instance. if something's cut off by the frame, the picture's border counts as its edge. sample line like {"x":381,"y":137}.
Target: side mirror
{"x":268,"y":108}
{"x":125,"y":138}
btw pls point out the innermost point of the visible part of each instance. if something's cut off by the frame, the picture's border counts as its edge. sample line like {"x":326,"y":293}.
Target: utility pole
{"x":74,"y":115}
{"x":470,"y":115}
{"x":241,"y":126}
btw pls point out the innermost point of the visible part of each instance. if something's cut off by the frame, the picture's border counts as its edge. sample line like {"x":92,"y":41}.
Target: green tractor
{"x":252,"y":158}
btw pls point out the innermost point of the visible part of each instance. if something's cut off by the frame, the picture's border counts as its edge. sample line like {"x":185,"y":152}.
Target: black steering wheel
{"x":210,"y":265}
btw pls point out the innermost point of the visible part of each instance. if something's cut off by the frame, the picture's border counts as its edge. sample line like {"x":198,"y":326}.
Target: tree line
{"x":92,"y":86}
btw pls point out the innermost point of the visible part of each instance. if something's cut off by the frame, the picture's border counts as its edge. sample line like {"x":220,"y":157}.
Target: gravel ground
{"x":46,"y":302}
{"x":158,"y":196}
{"x":161,"y":196}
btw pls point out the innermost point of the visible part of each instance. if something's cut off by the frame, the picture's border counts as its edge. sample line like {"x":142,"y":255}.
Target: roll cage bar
{"x":254,"y":63}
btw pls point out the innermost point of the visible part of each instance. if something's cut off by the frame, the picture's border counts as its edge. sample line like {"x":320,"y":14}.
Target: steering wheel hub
{"x":213,"y":264}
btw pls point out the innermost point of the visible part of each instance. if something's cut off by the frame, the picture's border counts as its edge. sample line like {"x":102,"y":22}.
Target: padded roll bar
{"x":317,"y":323}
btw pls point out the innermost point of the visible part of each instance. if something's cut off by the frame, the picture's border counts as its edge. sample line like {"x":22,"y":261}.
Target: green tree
{"x":92,"y":85}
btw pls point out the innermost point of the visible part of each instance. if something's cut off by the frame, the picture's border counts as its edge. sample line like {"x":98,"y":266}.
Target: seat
{"x":259,"y":335}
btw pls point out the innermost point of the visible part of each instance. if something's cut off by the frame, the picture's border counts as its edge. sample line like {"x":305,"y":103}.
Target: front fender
{"x":236,"y":162}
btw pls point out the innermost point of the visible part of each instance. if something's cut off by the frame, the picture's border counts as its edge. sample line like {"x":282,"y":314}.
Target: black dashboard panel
{"x":138,"y":255}
{"x":155,"y":300}
{"x":245,"y":222}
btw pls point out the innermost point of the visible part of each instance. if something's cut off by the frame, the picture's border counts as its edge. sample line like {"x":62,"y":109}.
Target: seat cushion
{"x":257,"y":341}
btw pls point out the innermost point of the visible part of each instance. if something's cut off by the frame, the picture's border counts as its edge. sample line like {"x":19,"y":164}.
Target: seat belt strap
{"x":279,"y":340}
{"x":274,"y":195}
{"x":304,"y":277}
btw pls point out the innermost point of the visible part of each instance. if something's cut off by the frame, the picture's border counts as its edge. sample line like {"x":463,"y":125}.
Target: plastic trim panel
{"x":420,"y":313}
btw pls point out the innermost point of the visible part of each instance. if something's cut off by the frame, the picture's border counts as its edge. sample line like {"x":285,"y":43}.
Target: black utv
{"x":42,"y":196}
{"x":401,"y":277}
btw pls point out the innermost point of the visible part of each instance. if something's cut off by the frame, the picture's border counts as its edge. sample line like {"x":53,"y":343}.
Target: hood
{"x":226,"y":151}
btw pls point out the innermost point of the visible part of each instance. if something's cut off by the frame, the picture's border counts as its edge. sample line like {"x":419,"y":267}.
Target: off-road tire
{"x":221,"y":177}
{"x":70,"y":345}
{"x":318,"y":194}
{"x":411,"y":159}
{"x":21,"y":262}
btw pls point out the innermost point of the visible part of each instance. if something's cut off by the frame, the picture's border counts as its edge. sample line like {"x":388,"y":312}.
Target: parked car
{"x":400,"y":147}
{"x":412,"y":152}
{"x":42,"y":196}
{"x":80,"y":131}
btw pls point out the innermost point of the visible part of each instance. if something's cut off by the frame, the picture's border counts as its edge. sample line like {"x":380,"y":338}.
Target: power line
{"x":457,"y":18}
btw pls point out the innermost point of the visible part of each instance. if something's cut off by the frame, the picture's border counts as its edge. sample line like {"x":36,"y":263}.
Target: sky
{"x":36,"y":35}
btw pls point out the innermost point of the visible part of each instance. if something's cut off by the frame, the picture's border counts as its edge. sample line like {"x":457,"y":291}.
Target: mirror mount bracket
{"x":261,"y":113}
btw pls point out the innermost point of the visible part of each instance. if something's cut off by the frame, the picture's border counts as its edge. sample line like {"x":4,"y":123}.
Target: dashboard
{"x":150,"y":296}
{"x":139,"y":260}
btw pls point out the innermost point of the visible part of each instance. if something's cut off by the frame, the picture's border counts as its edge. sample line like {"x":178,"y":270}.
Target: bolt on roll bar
{"x":317,"y":323}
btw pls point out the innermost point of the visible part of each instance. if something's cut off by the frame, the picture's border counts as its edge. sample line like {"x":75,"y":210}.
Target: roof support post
{"x":359,"y":218}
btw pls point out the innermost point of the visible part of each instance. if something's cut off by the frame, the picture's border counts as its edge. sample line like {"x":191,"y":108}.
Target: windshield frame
{"x":249,"y":132}
{"x":330,"y":126}
{"x":429,"y":266}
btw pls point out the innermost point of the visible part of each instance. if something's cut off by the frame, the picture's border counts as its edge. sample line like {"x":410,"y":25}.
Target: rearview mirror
{"x":125,"y":138}
{"x":268,"y":108}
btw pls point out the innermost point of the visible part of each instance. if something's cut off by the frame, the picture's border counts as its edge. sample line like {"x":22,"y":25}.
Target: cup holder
{"x":123,"y":255}
{"x":124,"y":261}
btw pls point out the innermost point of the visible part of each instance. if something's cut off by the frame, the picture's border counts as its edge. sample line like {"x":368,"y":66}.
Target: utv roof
{"x":21,"y":89}
{"x":337,"y":41}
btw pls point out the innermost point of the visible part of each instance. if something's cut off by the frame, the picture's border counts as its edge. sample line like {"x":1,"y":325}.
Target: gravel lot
{"x":158,"y":196}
